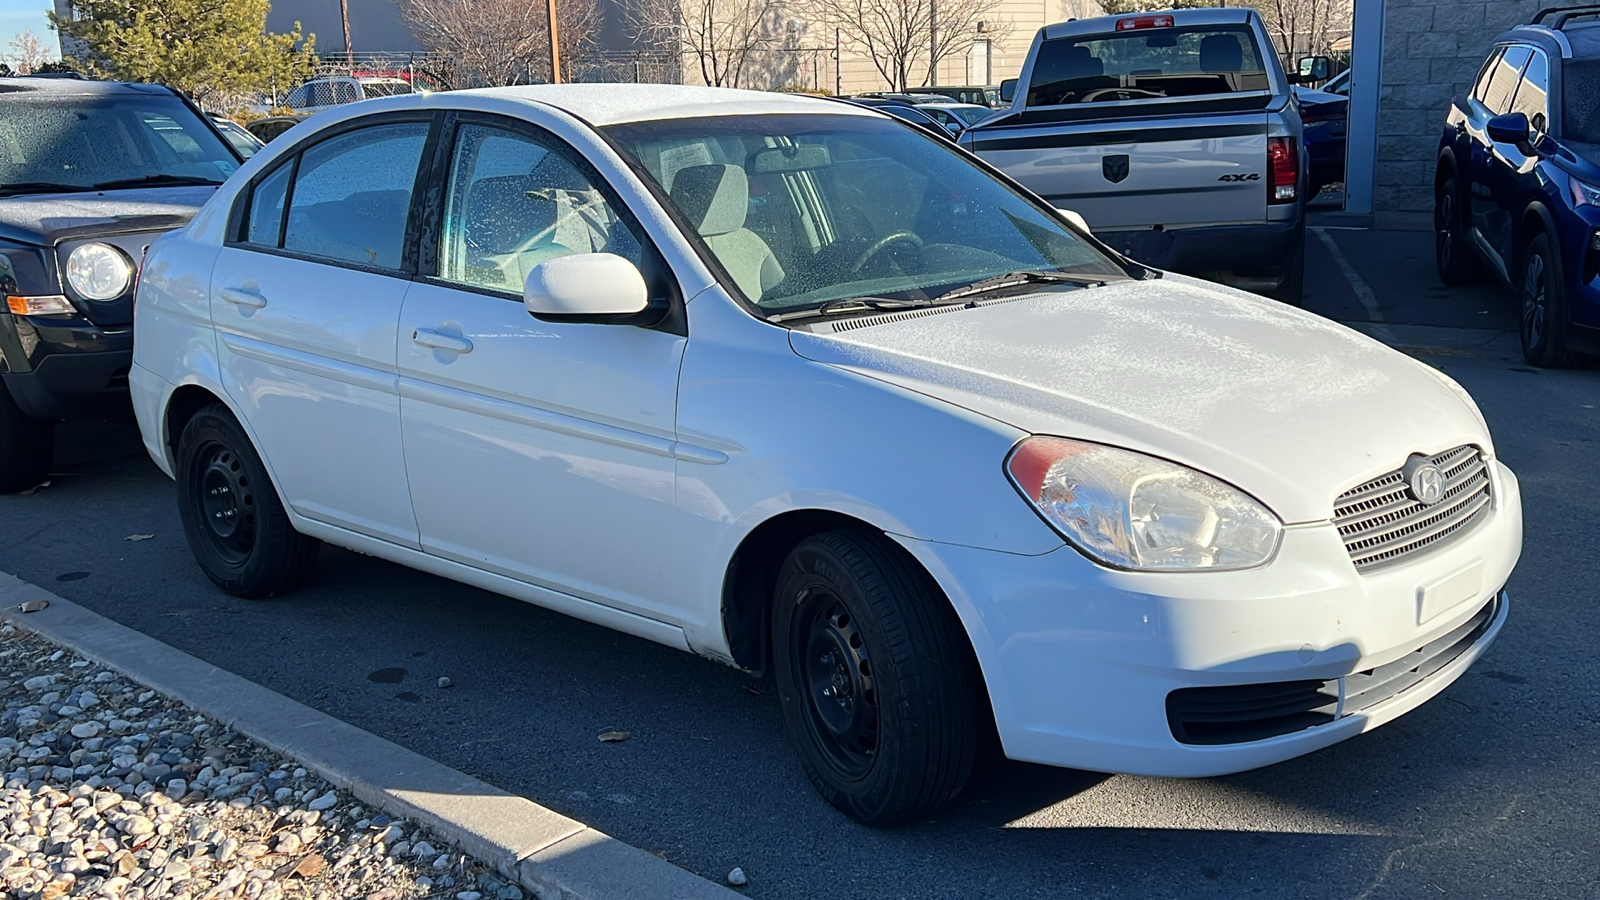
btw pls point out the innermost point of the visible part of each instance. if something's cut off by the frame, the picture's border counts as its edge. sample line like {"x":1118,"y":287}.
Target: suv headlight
{"x":1584,"y":194}
{"x":99,"y":272}
{"x":1132,"y":511}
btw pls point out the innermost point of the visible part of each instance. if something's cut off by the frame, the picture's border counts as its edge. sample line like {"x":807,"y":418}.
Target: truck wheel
{"x":1291,"y":289}
{"x":877,"y":683}
{"x":232,"y":518}
{"x":26,"y":446}
{"x":1452,"y":255}
{"x":1544,"y":306}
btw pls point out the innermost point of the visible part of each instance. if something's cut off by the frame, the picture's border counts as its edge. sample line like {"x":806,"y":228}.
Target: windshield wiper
{"x":1019,"y":277}
{"x":845,"y":305}
{"x":153,"y":180}
{"x":40,"y":187}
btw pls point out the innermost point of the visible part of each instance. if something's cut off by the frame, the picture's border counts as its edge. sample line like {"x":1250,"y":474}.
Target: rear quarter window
{"x":1147,"y":63}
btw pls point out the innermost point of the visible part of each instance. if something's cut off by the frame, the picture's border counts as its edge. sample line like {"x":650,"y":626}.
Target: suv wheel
{"x":232,"y":518}
{"x":26,"y":446}
{"x":1544,"y":306}
{"x":1451,"y":253}
{"x":877,"y":684}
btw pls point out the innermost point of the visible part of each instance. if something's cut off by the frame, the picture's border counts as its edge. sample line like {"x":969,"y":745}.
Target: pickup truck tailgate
{"x":1138,"y":174}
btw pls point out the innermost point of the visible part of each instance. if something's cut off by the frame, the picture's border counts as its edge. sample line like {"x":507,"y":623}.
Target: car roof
{"x":79,"y":87}
{"x":611,"y":104}
{"x":1232,"y":15}
{"x":952,"y":105}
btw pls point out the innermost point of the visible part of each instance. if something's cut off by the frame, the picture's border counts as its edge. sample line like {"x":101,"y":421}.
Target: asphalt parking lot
{"x":1487,"y":791}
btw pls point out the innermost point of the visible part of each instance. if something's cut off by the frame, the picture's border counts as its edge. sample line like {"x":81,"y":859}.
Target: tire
{"x":1544,"y":306}
{"x":875,"y":677}
{"x":1292,"y":288}
{"x":1452,"y":252}
{"x":232,"y":517}
{"x":26,"y":446}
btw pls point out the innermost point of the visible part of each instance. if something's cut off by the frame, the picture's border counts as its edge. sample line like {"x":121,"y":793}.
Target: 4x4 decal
{"x":1253,"y":176}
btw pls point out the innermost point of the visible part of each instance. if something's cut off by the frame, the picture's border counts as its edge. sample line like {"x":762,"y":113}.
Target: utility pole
{"x":933,"y":42}
{"x":838,"y":74}
{"x":555,"y":47}
{"x":344,"y":19}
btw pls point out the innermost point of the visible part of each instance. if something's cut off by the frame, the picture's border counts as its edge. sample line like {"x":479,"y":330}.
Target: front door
{"x":538,"y":451}
{"x":1492,"y":164}
{"x":306,"y":306}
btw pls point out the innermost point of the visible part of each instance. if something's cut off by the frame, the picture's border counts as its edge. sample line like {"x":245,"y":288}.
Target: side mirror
{"x":586,"y":287}
{"x":1008,"y":90}
{"x":1313,"y":68}
{"x":1510,"y":128}
{"x":1076,"y":218}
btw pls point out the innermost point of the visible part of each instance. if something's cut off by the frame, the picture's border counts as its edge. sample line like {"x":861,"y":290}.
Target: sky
{"x":17,"y":15}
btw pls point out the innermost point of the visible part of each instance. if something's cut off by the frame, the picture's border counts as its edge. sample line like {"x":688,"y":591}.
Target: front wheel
{"x":232,"y":518}
{"x":877,"y":683}
{"x":1544,"y":306}
{"x":26,"y":446}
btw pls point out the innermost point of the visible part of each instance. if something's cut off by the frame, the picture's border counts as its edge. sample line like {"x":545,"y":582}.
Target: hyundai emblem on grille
{"x":1425,"y":480}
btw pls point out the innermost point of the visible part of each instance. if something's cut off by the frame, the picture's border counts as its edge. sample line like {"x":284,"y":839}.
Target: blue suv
{"x":1517,"y":189}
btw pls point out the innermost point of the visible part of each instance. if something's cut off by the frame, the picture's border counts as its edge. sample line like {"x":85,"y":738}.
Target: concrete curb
{"x":550,"y":855}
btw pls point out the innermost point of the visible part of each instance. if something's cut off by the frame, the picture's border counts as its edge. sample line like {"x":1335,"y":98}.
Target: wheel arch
{"x":1536,"y":218}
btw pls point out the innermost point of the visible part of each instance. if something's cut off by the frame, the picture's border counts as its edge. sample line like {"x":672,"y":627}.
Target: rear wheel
{"x":876,"y":680}
{"x":232,"y":518}
{"x":1544,"y":306}
{"x":26,"y":446}
{"x":1452,"y":255}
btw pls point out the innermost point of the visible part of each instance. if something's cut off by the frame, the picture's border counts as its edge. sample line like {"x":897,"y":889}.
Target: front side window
{"x":352,"y":195}
{"x":77,"y":142}
{"x":804,"y":210}
{"x":514,"y":202}
{"x":1143,"y":64}
{"x":1533,"y":94}
{"x":1503,"y":81}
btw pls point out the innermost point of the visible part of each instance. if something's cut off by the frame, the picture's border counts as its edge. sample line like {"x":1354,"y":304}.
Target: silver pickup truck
{"x":1175,"y":135}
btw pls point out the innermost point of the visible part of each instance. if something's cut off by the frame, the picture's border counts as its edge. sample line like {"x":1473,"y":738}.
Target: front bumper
{"x":68,"y":368}
{"x":1080,"y":660}
{"x":1255,"y":249}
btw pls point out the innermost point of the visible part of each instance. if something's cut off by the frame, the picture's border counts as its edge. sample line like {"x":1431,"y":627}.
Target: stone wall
{"x":1432,"y":51}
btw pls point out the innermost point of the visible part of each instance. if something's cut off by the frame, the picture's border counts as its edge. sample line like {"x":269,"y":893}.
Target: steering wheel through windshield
{"x":879,"y":245}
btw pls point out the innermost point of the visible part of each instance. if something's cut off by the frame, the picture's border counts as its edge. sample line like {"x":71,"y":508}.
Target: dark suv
{"x":1517,"y":189}
{"x":90,"y":173}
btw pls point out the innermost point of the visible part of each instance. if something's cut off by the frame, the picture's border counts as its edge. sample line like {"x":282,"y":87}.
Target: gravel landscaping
{"x":111,"y":790}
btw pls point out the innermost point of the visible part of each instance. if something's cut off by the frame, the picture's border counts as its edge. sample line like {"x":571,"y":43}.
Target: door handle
{"x":423,"y":337}
{"x":241,"y":297}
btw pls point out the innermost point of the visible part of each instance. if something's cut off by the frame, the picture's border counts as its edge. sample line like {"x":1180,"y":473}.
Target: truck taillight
{"x":1283,"y":163}
{"x":1144,"y":22}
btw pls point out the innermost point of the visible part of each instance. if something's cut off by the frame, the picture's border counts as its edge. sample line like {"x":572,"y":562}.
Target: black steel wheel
{"x":1544,"y":307}
{"x":1452,"y":256}
{"x":877,"y":682}
{"x":26,"y":446}
{"x":232,"y":518}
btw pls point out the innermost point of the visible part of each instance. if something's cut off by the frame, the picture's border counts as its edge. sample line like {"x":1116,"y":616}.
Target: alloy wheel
{"x":1535,"y":300}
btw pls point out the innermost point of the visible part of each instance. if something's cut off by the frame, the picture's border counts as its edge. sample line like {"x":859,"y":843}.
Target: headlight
{"x":1583,"y":194}
{"x":1132,"y":511}
{"x":99,"y":272}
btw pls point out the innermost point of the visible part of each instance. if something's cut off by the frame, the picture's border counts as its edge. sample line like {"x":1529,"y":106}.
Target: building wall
{"x":1432,"y":50}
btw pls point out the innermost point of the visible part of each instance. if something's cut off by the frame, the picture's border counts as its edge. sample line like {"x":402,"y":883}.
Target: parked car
{"x":1173,"y":135}
{"x":238,"y":137}
{"x":956,"y":117}
{"x":907,"y":112}
{"x":912,"y":98}
{"x":1324,"y":117}
{"x":92,"y":172}
{"x":267,"y":129}
{"x":778,"y":381}
{"x":967,"y":93}
{"x":328,"y":91}
{"x":1517,"y":187}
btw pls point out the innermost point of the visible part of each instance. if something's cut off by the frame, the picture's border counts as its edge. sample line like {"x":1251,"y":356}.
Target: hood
{"x":1290,"y":407}
{"x":51,"y":218}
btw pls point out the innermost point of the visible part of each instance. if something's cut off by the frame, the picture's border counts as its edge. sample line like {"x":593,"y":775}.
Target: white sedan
{"x":785,"y":383}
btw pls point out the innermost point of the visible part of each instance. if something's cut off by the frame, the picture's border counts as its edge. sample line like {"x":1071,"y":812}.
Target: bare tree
{"x":498,"y":42}
{"x":905,"y":38}
{"x":1305,"y":27}
{"x":718,"y":35}
{"x":27,"y":52}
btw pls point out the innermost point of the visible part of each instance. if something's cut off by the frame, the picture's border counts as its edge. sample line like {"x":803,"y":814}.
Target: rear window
{"x":384,"y":88}
{"x":1147,"y":63}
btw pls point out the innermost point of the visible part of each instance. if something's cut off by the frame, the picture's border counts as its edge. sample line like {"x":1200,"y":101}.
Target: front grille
{"x":1382,"y":524}
{"x":1252,"y":712}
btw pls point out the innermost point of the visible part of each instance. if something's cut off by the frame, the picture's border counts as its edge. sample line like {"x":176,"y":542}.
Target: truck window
{"x":1146,"y":63}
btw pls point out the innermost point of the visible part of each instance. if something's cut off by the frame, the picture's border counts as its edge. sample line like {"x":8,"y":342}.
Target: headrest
{"x":714,"y":198}
{"x":1076,"y":62}
{"x":1221,"y":53}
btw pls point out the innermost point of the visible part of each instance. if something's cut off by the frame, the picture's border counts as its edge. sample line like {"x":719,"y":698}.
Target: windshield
{"x":78,"y":142}
{"x":803,"y":210}
{"x":970,"y":115}
{"x":1580,"y":100}
{"x":1147,"y":63}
